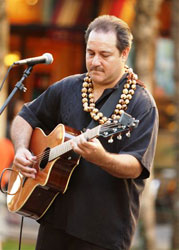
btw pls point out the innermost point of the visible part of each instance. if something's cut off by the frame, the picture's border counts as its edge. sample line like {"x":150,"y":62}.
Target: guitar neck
{"x":66,"y":146}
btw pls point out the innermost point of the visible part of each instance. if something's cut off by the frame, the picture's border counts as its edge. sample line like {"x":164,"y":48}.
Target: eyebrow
{"x":102,"y":51}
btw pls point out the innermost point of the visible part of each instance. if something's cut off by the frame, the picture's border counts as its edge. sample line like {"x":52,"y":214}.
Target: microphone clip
{"x":20,"y":84}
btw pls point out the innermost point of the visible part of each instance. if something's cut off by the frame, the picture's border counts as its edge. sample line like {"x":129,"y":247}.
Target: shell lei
{"x":127,"y":94}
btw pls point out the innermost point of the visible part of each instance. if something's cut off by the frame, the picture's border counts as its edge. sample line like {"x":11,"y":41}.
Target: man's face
{"x":103,"y":60}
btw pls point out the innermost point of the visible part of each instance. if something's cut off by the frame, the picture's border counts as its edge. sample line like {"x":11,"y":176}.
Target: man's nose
{"x":96,"y":60}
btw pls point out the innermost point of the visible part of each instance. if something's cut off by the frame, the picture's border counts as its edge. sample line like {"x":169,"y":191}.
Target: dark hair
{"x":108,"y":23}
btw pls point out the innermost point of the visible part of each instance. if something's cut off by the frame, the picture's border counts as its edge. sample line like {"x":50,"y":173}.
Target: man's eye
{"x":105,"y":55}
{"x":90,"y":53}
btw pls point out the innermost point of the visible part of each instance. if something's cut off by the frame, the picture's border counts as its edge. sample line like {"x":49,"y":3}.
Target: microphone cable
{"x":20,"y":233}
{"x":6,"y":76}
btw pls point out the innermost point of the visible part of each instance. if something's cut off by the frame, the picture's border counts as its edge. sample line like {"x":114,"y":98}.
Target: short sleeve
{"x":43,"y":111}
{"x":142,"y":143}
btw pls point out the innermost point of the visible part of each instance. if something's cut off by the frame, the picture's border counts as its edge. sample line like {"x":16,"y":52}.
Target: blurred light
{"x":10,"y":58}
{"x":31,"y":2}
{"x":171,"y":109}
{"x":169,"y":173}
{"x":172,"y":126}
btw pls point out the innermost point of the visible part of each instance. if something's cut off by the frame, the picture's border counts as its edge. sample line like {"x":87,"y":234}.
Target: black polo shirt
{"x":97,"y":207}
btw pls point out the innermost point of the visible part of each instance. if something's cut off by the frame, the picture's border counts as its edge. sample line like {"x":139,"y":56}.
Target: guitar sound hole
{"x":45,"y":158}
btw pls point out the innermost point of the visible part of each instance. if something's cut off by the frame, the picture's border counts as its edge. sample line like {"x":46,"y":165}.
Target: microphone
{"x":46,"y":58}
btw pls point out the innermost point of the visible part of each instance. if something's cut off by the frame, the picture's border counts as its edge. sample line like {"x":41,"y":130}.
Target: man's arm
{"x":21,"y":132}
{"x":118,"y":165}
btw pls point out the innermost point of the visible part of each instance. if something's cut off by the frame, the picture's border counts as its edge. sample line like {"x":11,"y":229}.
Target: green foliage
{"x":14,"y":245}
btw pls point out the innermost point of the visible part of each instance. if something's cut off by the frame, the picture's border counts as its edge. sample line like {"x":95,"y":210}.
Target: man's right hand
{"x":24,"y":162}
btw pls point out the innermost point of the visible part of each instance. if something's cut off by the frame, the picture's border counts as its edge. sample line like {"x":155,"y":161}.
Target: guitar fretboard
{"x":66,"y":146}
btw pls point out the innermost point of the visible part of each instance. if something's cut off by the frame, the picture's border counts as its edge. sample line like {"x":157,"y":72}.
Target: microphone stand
{"x":19,"y":86}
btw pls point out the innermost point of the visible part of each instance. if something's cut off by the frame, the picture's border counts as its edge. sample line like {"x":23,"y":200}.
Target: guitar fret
{"x":92,"y":133}
{"x":66,"y":147}
{"x":59,"y":150}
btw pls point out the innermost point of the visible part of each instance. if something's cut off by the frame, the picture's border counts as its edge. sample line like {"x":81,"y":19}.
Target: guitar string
{"x":45,"y":155}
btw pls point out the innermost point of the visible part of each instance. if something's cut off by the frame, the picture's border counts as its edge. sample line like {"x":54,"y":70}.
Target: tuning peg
{"x":110,"y":140}
{"x":105,"y":133}
{"x":128,"y":134}
{"x":109,"y":121}
{"x":115,"y":121}
{"x":119,"y":137}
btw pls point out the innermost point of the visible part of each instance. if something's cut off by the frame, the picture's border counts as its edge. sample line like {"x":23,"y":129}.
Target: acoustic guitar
{"x":56,"y":162}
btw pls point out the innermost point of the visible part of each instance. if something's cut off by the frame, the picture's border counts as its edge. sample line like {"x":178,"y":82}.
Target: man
{"x":101,"y":205}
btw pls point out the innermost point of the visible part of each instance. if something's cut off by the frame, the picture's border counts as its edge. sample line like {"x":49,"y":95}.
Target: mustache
{"x":96,"y":69}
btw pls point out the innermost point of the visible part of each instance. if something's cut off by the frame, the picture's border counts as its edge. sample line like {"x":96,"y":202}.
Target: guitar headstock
{"x":118,"y":127}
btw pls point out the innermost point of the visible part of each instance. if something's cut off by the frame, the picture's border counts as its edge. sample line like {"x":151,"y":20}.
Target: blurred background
{"x":30,"y":28}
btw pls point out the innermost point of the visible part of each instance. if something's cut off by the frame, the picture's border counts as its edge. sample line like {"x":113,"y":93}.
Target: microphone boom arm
{"x":19,"y":86}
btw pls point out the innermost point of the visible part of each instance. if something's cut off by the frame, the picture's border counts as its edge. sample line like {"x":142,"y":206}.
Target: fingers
{"x":24,"y":162}
{"x":92,"y":150}
{"x":26,"y":171}
{"x":83,"y":146}
{"x":79,"y":142}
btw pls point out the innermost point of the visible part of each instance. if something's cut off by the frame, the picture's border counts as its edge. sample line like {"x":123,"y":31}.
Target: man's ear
{"x":125,"y":54}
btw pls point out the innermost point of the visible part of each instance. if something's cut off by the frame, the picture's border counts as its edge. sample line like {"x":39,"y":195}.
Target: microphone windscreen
{"x":49,"y":58}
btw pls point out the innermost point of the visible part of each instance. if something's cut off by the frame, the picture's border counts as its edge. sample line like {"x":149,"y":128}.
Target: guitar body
{"x":32,"y":197}
{"x":56,"y":162}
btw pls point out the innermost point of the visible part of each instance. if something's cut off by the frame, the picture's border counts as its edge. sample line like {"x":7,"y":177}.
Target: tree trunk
{"x":145,"y":29}
{"x":4,"y":41}
{"x":175,"y":36}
